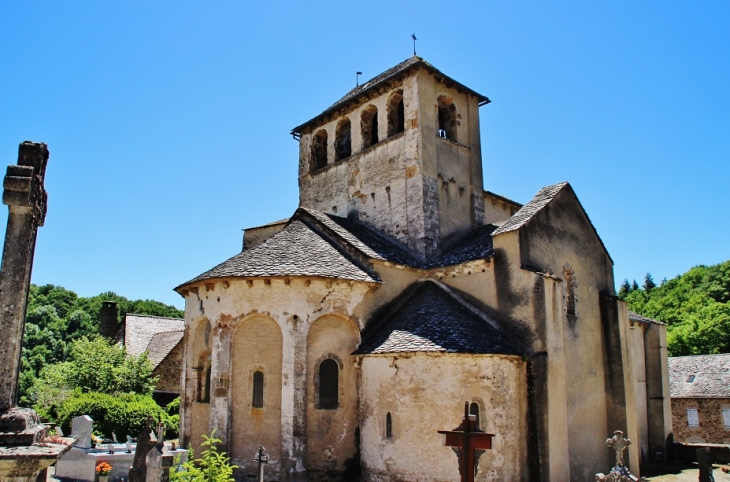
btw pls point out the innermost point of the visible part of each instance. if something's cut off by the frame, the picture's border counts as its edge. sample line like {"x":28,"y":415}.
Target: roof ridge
{"x":344,"y":252}
{"x":153,"y":316}
{"x":398,"y":69}
{"x":529,"y":210}
{"x":169,"y":331}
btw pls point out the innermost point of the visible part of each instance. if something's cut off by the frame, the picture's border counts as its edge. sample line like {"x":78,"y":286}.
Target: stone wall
{"x":169,"y":370}
{"x":711,"y":429}
{"x":426,"y":393}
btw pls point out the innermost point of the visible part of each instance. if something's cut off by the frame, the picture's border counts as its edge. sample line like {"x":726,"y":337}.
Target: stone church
{"x":343,"y":338}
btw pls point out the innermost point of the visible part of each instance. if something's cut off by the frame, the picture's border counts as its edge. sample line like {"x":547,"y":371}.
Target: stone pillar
{"x":659,"y":410}
{"x":220,"y":412}
{"x":293,"y":405}
{"x":26,"y":198}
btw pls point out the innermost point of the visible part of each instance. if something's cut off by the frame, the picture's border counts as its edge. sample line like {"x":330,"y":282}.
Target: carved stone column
{"x":26,"y":198}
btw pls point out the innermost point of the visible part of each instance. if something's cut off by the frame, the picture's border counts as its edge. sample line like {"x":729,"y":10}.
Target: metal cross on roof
{"x":468,"y":438}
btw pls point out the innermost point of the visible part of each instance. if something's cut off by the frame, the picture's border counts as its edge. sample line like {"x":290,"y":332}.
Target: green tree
{"x":649,"y":283}
{"x":94,"y":365}
{"x":624,"y":289}
{"x":56,"y":317}
{"x":695,"y":305}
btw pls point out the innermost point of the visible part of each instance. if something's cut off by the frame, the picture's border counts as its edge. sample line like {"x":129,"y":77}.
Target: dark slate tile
{"x":295,"y":251}
{"x":431,"y":319}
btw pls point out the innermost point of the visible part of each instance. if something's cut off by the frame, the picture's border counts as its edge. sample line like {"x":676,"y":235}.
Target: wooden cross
{"x":468,"y":438}
{"x":619,"y":444}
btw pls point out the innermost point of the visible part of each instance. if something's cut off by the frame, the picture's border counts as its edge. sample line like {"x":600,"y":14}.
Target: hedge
{"x":124,"y":414}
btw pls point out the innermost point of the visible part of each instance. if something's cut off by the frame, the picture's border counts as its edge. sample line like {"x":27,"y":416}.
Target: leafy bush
{"x":213,"y":466}
{"x":124,"y":414}
{"x":94,"y":365}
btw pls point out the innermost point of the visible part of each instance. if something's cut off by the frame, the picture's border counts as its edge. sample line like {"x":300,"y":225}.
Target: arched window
{"x":204,"y":383}
{"x":447,"y":118}
{"x":396,"y":113}
{"x":388,"y":426}
{"x":319,"y":150}
{"x":474,"y":410}
{"x":343,"y":142}
{"x":369,"y":126}
{"x":258,"y":389}
{"x":329,"y":381}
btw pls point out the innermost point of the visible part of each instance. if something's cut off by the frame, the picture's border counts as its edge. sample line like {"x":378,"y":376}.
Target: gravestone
{"x":81,"y":428}
{"x":146,"y":440}
{"x":619,"y":472}
{"x":467,"y":440}
{"x":159,"y":460}
{"x":704,"y":461}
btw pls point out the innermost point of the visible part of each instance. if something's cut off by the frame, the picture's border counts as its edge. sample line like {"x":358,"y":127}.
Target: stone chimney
{"x":109,"y":320}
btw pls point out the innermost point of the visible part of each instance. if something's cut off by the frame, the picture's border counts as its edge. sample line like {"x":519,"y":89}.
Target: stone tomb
{"x":81,"y":461}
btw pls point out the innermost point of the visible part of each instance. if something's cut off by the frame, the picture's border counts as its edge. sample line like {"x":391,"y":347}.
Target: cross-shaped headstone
{"x":468,"y":438}
{"x":619,"y":444}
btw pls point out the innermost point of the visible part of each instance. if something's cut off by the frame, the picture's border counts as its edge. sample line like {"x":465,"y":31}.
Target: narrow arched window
{"x":329,"y":381}
{"x":318,"y":155}
{"x":447,"y":118}
{"x":396,"y":113}
{"x":388,"y":426}
{"x":474,"y":410}
{"x":369,"y":126}
{"x":206,"y":388}
{"x":343,"y":140}
{"x":258,"y":389}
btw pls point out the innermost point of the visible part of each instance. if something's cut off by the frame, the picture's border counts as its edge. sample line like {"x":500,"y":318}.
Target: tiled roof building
{"x":343,"y":337}
{"x":162,"y":339}
{"x":700,"y":392}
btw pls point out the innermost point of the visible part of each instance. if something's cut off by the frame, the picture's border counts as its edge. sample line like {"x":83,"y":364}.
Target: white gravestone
{"x":81,"y":430}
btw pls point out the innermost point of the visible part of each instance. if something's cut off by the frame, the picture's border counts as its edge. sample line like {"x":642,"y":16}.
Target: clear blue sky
{"x":168,"y":122}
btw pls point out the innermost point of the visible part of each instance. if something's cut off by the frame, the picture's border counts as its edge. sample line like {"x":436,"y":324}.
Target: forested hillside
{"x":695,"y":305}
{"x":57,"y":316}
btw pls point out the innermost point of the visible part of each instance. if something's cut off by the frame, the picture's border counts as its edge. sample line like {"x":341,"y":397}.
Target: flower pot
{"x":103,"y":478}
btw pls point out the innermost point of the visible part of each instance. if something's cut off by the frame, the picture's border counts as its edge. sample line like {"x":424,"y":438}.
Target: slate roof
{"x":140,"y":329}
{"x":294,"y":251}
{"x":366,"y":240}
{"x":536,"y":204}
{"x":161,"y":344}
{"x":711,"y":376}
{"x":406,"y":65}
{"x":635,"y":317}
{"x":529,"y":210}
{"x":433,"y":319}
{"x":476,"y":244}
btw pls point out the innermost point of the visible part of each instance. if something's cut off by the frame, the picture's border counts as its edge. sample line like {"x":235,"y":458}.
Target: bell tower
{"x":401,"y":153}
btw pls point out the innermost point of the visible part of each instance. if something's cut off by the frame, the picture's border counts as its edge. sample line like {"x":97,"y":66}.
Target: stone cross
{"x":26,"y":197}
{"x":468,"y":439}
{"x":619,"y":444}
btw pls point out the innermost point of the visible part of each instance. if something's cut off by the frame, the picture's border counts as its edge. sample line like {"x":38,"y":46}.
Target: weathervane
{"x":413,"y":36}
